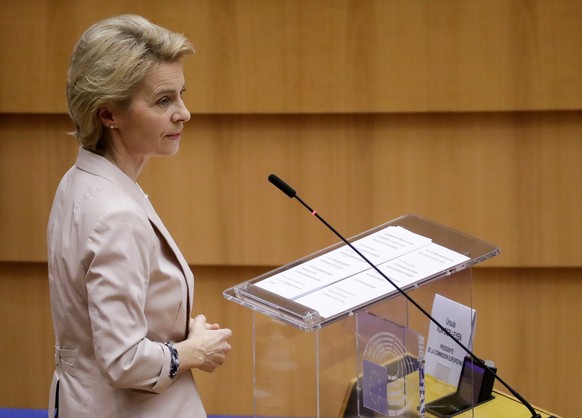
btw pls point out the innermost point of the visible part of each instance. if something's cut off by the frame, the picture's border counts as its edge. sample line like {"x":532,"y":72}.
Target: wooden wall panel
{"x":528,"y":323}
{"x":27,"y":342}
{"x":35,"y":152}
{"x":289,"y":56}
{"x":468,"y":113}
{"x":509,"y":178}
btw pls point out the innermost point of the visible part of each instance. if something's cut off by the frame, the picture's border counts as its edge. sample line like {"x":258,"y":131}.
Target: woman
{"x":121,"y":291}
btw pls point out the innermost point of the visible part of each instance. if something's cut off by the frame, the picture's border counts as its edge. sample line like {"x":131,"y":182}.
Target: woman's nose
{"x":182,"y":114}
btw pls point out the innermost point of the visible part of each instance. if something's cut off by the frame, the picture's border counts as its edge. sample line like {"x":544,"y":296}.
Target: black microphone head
{"x":281,"y":185}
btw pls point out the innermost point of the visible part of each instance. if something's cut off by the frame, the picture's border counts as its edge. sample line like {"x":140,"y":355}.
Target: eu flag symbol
{"x":374,"y":387}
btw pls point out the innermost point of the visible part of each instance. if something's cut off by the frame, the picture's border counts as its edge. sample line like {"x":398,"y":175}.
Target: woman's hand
{"x":205,"y":348}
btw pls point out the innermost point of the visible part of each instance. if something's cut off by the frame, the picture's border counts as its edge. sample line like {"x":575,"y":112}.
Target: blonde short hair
{"x":108,"y":64}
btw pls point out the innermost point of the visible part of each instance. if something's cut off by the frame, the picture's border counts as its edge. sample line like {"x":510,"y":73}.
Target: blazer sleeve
{"x":119,"y":255}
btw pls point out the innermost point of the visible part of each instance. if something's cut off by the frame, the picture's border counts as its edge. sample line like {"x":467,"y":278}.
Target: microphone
{"x":281,"y":185}
{"x":290,"y":192}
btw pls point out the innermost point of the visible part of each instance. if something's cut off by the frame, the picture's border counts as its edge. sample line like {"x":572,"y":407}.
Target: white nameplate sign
{"x":444,"y":357}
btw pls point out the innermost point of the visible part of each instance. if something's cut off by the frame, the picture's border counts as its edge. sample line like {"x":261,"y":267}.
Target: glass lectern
{"x":333,"y":336}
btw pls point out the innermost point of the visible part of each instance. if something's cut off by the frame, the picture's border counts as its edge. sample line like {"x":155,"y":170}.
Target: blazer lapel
{"x":189,"y":279}
{"x":157,"y":222}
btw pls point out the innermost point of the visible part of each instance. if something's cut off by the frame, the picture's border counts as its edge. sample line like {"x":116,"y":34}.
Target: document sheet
{"x":340,"y":280}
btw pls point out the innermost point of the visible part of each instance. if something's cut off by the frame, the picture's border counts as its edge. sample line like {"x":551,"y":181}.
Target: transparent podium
{"x":333,"y":338}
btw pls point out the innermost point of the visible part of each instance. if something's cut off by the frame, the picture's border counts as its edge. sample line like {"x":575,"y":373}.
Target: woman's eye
{"x":164,"y":101}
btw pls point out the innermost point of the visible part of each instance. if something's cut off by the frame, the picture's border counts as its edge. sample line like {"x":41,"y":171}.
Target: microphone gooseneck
{"x":290,"y":192}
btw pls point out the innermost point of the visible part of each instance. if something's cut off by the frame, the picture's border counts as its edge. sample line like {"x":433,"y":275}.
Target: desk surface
{"x":503,"y":406}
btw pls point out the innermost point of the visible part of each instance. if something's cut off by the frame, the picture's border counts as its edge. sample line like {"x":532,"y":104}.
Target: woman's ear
{"x":106,"y":117}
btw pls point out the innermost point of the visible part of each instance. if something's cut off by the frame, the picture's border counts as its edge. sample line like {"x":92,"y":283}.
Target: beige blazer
{"x":119,"y":289}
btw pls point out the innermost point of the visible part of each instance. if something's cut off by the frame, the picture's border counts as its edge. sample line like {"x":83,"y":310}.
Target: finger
{"x":200,"y":321}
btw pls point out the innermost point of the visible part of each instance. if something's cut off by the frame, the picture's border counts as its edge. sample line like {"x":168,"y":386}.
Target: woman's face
{"x":153,"y":123}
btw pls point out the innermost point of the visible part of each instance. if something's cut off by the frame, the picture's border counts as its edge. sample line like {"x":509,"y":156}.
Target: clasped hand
{"x":205,"y":348}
